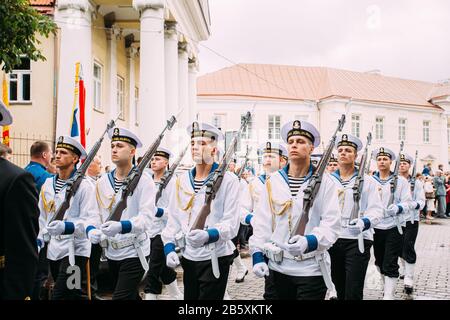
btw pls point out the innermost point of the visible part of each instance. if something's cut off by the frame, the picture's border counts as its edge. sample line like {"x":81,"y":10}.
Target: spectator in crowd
{"x":52,"y":167}
{"x":95,"y":168}
{"x":41,"y":155}
{"x":427,"y":170}
{"x":447,"y":211}
{"x":429,"y":194}
{"x":441,"y":192}
{"x":5,"y":152}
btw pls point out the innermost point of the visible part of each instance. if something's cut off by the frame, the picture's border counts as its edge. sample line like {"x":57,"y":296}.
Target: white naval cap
{"x":163,"y":152}
{"x":300,"y":128}
{"x":125,"y":135}
{"x":274,"y":147}
{"x":383,"y":152}
{"x":406,"y":157}
{"x":204,"y":130}
{"x":71,"y":144}
{"x":345,"y":139}
{"x":5,"y":115}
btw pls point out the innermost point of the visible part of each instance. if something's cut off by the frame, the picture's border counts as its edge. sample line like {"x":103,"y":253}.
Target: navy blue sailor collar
{"x":337,"y":175}
{"x":111,"y":175}
{"x":193,"y":172}
{"x":263,"y":178}
{"x":376,"y":176}
{"x":56,"y":176}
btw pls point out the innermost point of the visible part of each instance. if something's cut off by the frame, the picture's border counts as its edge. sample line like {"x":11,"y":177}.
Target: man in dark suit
{"x":19,"y":214}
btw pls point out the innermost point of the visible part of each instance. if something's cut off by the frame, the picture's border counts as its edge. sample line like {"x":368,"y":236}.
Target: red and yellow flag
{"x":5,"y":133}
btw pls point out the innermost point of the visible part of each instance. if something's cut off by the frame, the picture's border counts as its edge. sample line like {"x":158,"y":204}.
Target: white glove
{"x":356,"y":226}
{"x":111,"y":228}
{"x":197,"y":238}
{"x":56,"y":228}
{"x":95,"y":236}
{"x":392,"y":210}
{"x":172,"y":260}
{"x":261,"y":269}
{"x":296,"y":246}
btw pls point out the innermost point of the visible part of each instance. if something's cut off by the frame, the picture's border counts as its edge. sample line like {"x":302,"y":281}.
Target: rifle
{"x":358,"y":188}
{"x":314,"y":184}
{"x":241,"y":170}
{"x":394,"y":182}
{"x":169,"y":174}
{"x":74,"y":183}
{"x":413,"y":183}
{"x":214,"y":184}
{"x":131,"y":182}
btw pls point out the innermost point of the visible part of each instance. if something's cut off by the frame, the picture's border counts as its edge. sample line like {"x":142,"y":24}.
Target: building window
{"x":136,"y":106}
{"x":379,"y":128}
{"x":217,"y":120}
{"x":247,"y":132}
{"x":356,"y":125}
{"x":120,"y":98}
{"x":402,"y":129}
{"x":20,"y":82}
{"x":274,"y":127}
{"x":98,"y":71}
{"x":426,"y":131}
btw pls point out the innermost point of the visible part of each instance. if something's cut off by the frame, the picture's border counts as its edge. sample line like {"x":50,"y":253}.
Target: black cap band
{"x":300,"y":132}
{"x":162,"y":154}
{"x":69,"y":147}
{"x":125,"y":139}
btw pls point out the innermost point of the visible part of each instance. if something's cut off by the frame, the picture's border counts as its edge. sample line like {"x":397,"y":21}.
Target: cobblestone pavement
{"x":431,"y":275}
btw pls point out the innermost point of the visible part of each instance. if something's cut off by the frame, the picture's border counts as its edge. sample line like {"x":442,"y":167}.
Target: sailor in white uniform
{"x":128,"y":244}
{"x":68,"y":245}
{"x":387,"y":245}
{"x":348,"y":264}
{"x":412,"y":218}
{"x":301,"y":264}
{"x":200,"y":246}
{"x":332,"y":164}
{"x":158,"y":273}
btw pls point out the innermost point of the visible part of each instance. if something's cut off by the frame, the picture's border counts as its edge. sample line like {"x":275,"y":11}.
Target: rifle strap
{"x":191,"y":200}
{"x":284,"y":206}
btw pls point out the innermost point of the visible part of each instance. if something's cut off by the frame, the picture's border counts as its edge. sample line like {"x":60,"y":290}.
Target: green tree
{"x":19,"y":26}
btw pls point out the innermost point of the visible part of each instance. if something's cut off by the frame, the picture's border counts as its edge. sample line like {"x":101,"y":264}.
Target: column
{"x":73,"y":17}
{"x":183,"y":94}
{"x":192,"y":87}
{"x":171,"y":68}
{"x":133,"y":115}
{"x":112,"y":35}
{"x":152,"y":82}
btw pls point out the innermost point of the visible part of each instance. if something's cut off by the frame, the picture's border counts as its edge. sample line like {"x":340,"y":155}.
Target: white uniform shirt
{"x":369,"y":203}
{"x":159,"y":223}
{"x":140,"y":212}
{"x":324,"y":221}
{"x":82,"y":212}
{"x":402,"y":197}
{"x":418,"y":197}
{"x":185,"y":206}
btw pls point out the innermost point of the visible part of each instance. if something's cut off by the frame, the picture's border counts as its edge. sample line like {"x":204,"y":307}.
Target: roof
{"x":283,"y":82}
{"x":43,"y":6}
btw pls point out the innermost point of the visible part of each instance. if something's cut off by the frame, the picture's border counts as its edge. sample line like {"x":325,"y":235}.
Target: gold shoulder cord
{"x":99,"y":199}
{"x":190,"y":202}
{"x":285,"y":206}
{"x":49,"y":206}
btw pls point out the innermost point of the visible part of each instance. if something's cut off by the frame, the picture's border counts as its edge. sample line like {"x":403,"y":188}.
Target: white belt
{"x":128,"y":242}
{"x":63,"y":236}
{"x":276,"y":254}
{"x":302,"y":257}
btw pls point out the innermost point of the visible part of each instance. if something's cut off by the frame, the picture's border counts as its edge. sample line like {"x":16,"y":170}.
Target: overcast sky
{"x":402,"y":38}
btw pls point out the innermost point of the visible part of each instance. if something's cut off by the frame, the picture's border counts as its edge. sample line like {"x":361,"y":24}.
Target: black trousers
{"x":387,"y":247}
{"x":348,"y":268}
{"x":94,"y":263}
{"x":41,"y":275}
{"x":199,"y":281}
{"x":270,"y":292}
{"x":158,"y":272}
{"x":58,"y":270}
{"x":127,"y":274}
{"x":299,"y":288}
{"x":409,"y":240}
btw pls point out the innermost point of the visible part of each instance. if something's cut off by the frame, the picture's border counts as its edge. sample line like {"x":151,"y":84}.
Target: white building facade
{"x":224,"y":96}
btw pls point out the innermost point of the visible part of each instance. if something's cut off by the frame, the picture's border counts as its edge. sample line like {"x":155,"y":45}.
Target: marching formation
{"x":313,"y":222}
